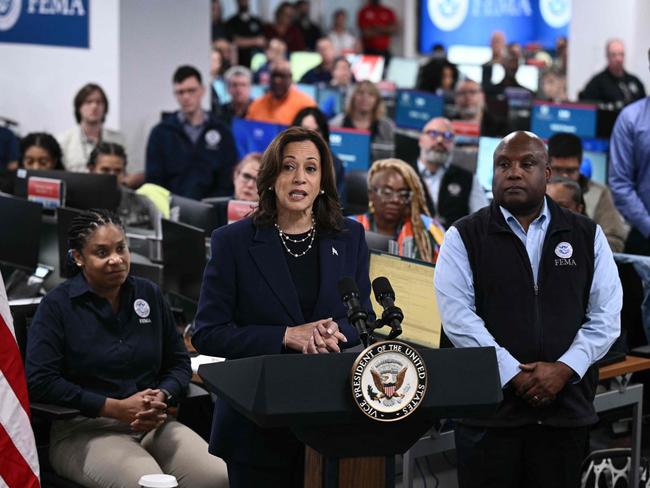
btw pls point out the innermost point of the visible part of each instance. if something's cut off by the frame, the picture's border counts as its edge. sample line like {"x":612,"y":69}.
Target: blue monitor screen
{"x":595,"y":158}
{"x":549,"y":118}
{"x":253,"y":136}
{"x":484,"y":164}
{"x":414,"y":109}
{"x":352,"y":147}
{"x":330,"y":101}
{"x":309,"y":90}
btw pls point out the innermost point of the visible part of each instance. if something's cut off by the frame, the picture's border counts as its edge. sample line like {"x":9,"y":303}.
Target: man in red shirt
{"x":377,"y":24}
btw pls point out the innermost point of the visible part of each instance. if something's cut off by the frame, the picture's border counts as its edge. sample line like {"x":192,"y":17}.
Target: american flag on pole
{"x":18,"y":458}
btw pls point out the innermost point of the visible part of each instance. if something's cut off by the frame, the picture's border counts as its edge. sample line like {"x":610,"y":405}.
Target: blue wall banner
{"x":471,"y":22}
{"x":48,"y":22}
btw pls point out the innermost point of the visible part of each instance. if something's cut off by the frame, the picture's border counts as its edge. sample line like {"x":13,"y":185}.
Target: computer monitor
{"x":407,"y":146}
{"x":149,"y":271}
{"x":20,"y":232}
{"x":303,"y":61}
{"x":309,"y":90}
{"x":471,"y":71}
{"x":414,"y":108}
{"x":195,"y":213}
{"x":64,"y":218}
{"x":183,"y":249}
{"x":377,"y":241}
{"x":484,"y":163}
{"x":576,"y":118}
{"x":367,"y":67}
{"x":330,"y":101}
{"x":596,"y":152}
{"x":469,"y":55}
{"x":403,"y":72}
{"x":352,"y":147}
{"x":83,"y":190}
{"x":253,"y":136}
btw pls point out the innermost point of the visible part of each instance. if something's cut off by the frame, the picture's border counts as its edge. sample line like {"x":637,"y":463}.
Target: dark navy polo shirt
{"x":79,"y":351}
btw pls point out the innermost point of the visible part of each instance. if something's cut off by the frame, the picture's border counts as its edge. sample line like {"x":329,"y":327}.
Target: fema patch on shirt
{"x":212,"y":139}
{"x":143,"y":310}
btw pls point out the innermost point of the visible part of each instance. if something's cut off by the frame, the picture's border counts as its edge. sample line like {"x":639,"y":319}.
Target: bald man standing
{"x":451,"y":192}
{"x":539,"y":284}
{"x":614,"y":84}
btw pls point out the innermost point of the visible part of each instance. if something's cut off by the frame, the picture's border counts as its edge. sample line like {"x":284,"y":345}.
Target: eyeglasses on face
{"x":387,"y":194}
{"x":446,"y":135}
{"x":247,"y":177}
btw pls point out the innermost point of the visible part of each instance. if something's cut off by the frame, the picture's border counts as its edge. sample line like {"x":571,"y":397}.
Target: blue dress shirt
{"x":629,"y":168}
{"x":455,"y":295}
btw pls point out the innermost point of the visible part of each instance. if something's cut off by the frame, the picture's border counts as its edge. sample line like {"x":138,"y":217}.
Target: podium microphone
{"x":357,"y":316}
{"x":392,"y":315}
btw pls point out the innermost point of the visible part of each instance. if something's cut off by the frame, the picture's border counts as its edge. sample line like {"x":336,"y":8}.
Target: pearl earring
{"x":322,"y":192}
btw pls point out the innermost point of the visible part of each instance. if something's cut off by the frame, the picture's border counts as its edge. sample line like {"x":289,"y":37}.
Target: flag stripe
{"x":13,"y":469}
{"x":16,"y":424}
{"x":11,"y":363}
{"x":18,"y":459}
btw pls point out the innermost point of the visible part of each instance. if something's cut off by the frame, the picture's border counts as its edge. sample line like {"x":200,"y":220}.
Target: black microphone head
{"x":347,"y":287}
{"x":381,"y":287}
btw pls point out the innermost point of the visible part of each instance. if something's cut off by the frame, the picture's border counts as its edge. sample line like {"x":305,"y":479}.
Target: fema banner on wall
{"x":471,"y":22}
{"x":49,"y":22}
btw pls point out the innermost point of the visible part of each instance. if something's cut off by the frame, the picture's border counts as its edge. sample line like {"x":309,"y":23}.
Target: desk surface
{"x":632,"y":364}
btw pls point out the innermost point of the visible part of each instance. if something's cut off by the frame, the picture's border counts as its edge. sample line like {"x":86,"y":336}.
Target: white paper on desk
{"x":201,"y":359}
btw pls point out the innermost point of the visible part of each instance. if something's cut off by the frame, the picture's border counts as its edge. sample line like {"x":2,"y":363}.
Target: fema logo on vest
{"x":564,"y":253}
{"x":143,"y":310}
{"x":447,"y":15}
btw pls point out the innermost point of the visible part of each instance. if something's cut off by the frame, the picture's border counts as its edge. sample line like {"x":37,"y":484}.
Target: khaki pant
{"x":104,"y":453}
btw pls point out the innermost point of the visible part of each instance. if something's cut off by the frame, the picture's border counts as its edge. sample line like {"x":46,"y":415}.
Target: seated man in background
{"x":323,"y":72}
{"x":135,"y":210}
{"x":565,"y":152}
{"x":566,"y":193}
{"x":469,"y":101}
{"x":190,"y":152}
{"x":283,"y":101}
{"x":451,"y":192}
{"x":238,"y":82}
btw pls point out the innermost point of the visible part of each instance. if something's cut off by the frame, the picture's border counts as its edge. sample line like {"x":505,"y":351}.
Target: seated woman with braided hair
{"x":397,"y":208}
{"x":105,"y":343}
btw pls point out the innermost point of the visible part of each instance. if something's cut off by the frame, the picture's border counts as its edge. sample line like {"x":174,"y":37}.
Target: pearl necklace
{"x":311,"y":235}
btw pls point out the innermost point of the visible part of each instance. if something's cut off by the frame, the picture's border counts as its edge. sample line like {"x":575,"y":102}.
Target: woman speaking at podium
{"x":270,"y":287}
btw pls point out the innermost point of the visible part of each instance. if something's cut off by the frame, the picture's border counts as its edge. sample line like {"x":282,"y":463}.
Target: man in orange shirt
{"x":283,"y":101}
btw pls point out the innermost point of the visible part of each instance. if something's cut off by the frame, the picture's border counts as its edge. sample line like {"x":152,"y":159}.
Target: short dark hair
{"x":321,"y":121}
{"x":186,"y":71}
{"x":565,"y":145}
{"x":327,"y":208}
{"x":108,"y":148}
{"x":45,"y":141}
{"x":81,"y":96}
{"x":83,"y":226}
{"x":573,"y":186}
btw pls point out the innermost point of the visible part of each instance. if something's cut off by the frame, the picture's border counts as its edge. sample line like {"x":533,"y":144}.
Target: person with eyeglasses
{"x":190,"y":152}
{"x":397,"y":208}
{"x":451,"y":192}
{"x":565,"y":153}
{"x":283,"y":101}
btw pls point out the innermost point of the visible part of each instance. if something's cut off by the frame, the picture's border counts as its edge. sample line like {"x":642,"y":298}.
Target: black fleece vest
{"x":534,"y":322}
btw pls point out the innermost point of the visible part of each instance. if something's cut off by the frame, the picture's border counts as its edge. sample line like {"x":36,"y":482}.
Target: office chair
{"x":356,"y":193}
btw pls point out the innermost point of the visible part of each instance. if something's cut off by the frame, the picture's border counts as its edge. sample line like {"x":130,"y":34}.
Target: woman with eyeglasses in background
{"x":397,"y":208}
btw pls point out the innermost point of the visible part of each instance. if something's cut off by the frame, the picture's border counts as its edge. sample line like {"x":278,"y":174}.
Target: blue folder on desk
{"x":252,"y":136}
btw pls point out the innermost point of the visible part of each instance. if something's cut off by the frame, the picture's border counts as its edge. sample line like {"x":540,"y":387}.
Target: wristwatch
{"x":168,"y":396}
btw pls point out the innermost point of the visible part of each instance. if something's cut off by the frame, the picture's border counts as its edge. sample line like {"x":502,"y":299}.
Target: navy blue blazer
{"x":248,"y":299}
